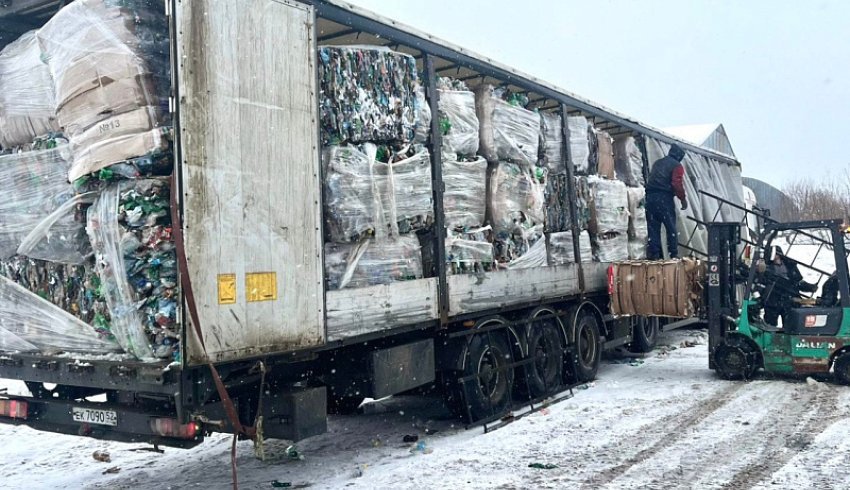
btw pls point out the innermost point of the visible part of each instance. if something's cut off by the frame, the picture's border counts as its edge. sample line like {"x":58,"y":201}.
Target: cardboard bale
{"x":605,"y":155}
{"x":670,"y":288}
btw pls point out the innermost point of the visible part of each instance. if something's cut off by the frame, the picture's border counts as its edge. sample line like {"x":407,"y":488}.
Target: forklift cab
{"x":797,"y":286}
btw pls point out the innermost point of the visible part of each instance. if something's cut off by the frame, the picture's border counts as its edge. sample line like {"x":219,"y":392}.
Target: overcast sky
{"x":775,"y":73}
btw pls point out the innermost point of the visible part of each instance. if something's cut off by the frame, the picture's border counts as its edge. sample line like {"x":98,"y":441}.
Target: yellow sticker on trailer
{"x":226,"y":289}
{"x":260,"y":286}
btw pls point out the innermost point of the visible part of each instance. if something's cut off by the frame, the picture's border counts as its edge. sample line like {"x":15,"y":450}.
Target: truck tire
{"x":644,"y":334}
{"x":488,"y":356}
{"x":841,"y":368}
{"x":588,"y":348}
{"x":544,"y":374}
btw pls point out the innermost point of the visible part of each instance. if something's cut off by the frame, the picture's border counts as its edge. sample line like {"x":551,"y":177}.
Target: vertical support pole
{"x":437,"y":187}
{"x":841,"y":265}
{"x":572,"y":192}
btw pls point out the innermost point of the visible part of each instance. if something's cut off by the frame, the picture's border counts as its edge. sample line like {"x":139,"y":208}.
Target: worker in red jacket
{"x":666,"y":179}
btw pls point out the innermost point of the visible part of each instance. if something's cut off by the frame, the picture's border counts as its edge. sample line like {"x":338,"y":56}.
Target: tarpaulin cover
{"x":106,"y":58}
{"x":710,"y":175}
{"x":561,"y":247}
{"x":610,"y":206}
{"x":31,"y":323}
{"x":372,"y":262}
{"x":27,"y":103}
{"x":38,"y":213}
{"x":367,"y":93}
{"x":465,"y":195}
{"x":130,"y":229}
{"x":628,"y":161}
{"x":516,"y":197}
{"x":507,"y":132}
{"x":364,"y":196}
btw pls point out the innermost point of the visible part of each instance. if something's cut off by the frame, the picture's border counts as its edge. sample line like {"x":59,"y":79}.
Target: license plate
{"x":92,"y":416}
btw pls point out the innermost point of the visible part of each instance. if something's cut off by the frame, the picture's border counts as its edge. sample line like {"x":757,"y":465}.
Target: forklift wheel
{"x":734,"y":361}
{"x":841,"y":368}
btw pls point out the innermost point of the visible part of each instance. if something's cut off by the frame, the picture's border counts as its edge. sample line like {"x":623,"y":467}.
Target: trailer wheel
{"x":488,"y":392}
{"x":841,"y":368}
{"x":588,"y":348}
{"x":544,"y":374}
{"x":644,"y":334}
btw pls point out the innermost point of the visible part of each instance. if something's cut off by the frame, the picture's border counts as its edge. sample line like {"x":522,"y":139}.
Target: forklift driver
{"x":784,"y":283}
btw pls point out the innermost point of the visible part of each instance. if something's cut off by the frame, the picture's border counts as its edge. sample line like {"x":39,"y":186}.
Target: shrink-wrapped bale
{"x":552,"y":143}
{"x":638,"y":233}
{"x":628,"y":161}
{"x":509,"y":246}
{"x":557,"y":208}
{"x":535,"y":256}
{"x":372,"y":262}
{"x":364,"y":196}
{"x":470,"y":251}
{"x":611,"y":247}
{"x":423,"y":117}
{"x":367,"y":93}
{"x":578,"y":129}
{"x":604,"y":155}
{"x":39,"y":213}
{"x":73,"y":288}
{"x":507,"y":132}
{"x":609,"y":209}
{"x":465,"y":195}
{"x":130,"y":229}
{"x":107,"y":58}
{"x":561,"y":247}
{"x":458,"y":120}
{"x":516,"y":197}
{"x":27,"y":102}
{"x":584,"y":202}
{"x":29,"y":323}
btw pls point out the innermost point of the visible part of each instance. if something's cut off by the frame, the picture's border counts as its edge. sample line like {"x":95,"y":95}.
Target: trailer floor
{"x":664,"y":423}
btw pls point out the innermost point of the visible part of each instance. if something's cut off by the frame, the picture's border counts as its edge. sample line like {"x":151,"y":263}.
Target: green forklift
{"x":778,"y":301}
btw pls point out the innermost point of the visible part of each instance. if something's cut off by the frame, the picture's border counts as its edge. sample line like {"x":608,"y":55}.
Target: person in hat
{"x":666,"y":180}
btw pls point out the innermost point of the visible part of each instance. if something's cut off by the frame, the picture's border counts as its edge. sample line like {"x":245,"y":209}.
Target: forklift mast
{"x":721,"y":291}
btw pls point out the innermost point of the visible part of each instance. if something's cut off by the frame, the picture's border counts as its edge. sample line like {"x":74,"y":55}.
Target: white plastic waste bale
{"x":469,"y":251}
{"x":638,"y":233}
{"x":459,"y":122}
{"x":610,"y":207}
{"x":637,"y":250}
{"x":611,"y":247}
{"x":507,"y":132}
{"x":552,"y":144}
{"x":628,"y":161}
{"x":577,"y":126}
{"x":372,"y":262}
{"x":516,"y":197}
{"x":465,"y":195}
{"x":423,"y":117}
{"x":364,"y":196}
{"x":27,"y":101}
{"x":561,"y":247}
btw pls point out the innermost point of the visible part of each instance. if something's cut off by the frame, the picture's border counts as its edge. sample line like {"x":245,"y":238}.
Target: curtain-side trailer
{"x":255,"y":303}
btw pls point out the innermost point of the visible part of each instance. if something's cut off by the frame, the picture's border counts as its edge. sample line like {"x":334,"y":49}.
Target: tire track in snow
{"x":664,"y":432}
{"x":786,"y":440}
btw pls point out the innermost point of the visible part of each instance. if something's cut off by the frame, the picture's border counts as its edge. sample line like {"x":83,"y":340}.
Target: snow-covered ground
{"x":667,"y":422}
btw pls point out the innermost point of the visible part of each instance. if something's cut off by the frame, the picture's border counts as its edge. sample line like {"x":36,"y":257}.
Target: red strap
{"x":186,"y":283}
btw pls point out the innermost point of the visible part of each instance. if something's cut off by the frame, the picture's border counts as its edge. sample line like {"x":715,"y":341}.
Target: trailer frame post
{"x":571,"y":191}
{"x":438,"y":188}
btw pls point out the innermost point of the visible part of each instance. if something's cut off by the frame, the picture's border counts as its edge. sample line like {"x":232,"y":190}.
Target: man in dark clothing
{"x":784,"y":284}
{"x":666,"y":179}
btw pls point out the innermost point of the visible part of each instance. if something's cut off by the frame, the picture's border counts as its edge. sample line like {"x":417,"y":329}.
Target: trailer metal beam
{"x":348,"y":15}
{"x":437,"y":188}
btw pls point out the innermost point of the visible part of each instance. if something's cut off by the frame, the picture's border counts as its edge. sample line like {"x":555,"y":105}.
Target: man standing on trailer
{"x":666,"y":179}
